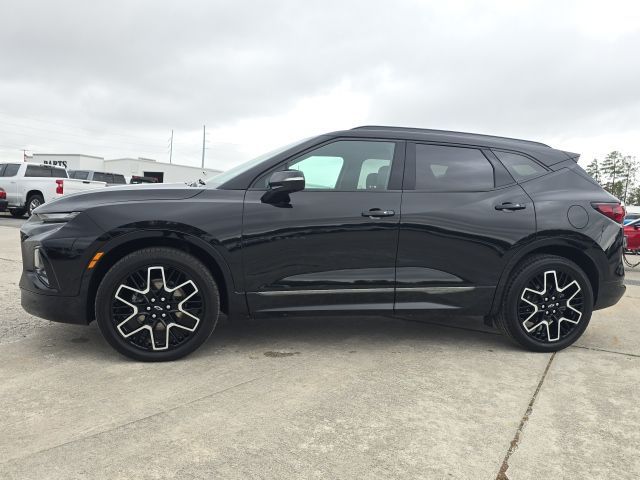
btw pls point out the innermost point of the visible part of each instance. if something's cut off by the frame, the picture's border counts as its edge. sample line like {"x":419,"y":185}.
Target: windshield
{"x":243,"y":167}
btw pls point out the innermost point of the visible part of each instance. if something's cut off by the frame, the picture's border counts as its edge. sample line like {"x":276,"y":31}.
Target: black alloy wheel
{"x":157,"y":304}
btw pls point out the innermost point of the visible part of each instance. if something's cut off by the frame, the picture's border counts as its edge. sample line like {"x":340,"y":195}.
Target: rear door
{"x":332,"y":248}
{"x":462,"y":213}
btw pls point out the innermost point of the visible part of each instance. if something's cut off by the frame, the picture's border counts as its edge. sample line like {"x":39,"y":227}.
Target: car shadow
{"x":278,"y":335}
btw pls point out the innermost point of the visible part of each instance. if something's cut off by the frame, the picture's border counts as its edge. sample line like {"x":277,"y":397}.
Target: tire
{"x":567,"y":298}
{"x":126,"y":301}
{"x":17,"y":212}
{"x":33,"y":202}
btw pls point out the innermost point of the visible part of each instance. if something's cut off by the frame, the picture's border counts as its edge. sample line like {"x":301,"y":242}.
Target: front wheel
{"x":157,"y":304}
{"x":17,"y":212}
{"x":547,"y":304}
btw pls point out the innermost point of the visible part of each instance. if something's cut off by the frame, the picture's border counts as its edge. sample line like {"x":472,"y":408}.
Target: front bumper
{"x":53,"y":307}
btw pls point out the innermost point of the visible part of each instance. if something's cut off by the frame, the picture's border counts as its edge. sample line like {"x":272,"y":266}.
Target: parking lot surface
{"x":319,"y":398}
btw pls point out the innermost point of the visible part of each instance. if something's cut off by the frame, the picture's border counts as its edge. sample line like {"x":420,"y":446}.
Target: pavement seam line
{"x":595,"y":349}
{"x":124,"y":425}
{"x":502,"y":473}
{"x":10,"y":260}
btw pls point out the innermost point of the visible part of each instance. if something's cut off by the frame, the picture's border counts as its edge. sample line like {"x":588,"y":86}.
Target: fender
{"x":114,"y":240}
{"x":548,"y":241}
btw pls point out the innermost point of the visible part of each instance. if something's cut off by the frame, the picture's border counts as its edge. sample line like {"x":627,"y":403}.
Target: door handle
{"x":377,"y":212}
{"x":510,"y":206}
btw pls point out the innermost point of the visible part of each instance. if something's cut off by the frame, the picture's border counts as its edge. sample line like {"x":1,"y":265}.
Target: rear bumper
{"x":610,"y":293}
{"x":53,"y":307}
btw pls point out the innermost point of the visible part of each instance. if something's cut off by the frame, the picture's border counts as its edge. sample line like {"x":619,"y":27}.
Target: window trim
{"x":395,"y":175}
{"x":409,"y":183}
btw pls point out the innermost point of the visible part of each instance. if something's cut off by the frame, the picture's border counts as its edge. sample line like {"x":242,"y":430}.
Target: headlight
{"x":56,"y":217}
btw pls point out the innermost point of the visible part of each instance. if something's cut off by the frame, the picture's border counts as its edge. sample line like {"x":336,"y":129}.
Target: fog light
{"x":38,"y":264}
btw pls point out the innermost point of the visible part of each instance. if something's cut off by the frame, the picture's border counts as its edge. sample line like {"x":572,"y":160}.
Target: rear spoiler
{"x":572,"y":156}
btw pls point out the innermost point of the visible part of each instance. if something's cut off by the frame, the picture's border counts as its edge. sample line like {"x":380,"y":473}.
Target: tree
{"x":593,"y":169}
{"x":617,"y":174}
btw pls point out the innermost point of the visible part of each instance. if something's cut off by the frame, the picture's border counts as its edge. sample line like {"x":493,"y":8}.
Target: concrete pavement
{"x":319,"y":398}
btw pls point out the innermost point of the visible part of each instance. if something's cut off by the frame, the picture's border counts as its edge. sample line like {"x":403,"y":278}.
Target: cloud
{"x":113,"y":78}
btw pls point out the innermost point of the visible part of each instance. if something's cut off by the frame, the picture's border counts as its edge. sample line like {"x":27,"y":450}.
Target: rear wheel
{"x":547,"y":304}
{"x":33,"y":202}
{"x":157,"y":304}
{"x":17,"y":212}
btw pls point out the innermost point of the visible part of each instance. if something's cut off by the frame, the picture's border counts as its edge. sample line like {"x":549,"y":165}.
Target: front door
{"x":462,"y":213}
{"x":332,"y":248}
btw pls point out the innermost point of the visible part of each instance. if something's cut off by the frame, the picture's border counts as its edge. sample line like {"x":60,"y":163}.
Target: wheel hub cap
{"x":157,"y":308}
{"x":550,"y":306}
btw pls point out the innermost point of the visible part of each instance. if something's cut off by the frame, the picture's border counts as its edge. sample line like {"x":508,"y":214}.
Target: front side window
{"x":59,"y":172}
{"x":100,"y":177}
{"x":452,"y":169}
{"x":520,"y":167}
{"x":79,"y":174}
{"x":320,"y":172}
{"x":345,"y":165}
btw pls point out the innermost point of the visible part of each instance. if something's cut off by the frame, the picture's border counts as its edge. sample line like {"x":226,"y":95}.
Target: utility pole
{"x":171,"y":146}
{"x":204,"y":133}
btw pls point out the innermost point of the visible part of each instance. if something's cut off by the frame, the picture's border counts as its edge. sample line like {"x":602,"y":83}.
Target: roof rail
{"x":446,"y":132}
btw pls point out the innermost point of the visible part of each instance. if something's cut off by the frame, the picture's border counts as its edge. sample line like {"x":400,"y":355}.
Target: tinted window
{"x":11,"y":170}
{"x":2,"y":167}
{"x":100,"y":177}
{"x":119,"y":179}
{"x":37,"y":171}
{"x":59,"y":172}
{"x":452,"y":169}
{"x":346,"y":165}
{"x":79,"y":174}
{"x":520,"y":167}
{"x":320,"y":172}
{"x":374,"y":174}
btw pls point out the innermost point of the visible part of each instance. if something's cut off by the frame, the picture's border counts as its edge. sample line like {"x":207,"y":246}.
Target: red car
{"x":632,"y":234}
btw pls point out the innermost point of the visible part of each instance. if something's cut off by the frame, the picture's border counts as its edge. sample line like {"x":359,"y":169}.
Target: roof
{"x":447,"y":135}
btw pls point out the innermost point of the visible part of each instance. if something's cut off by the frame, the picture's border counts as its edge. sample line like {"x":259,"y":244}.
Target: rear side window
{"x":37,"y":171}
{"x":452,"y":169}
{"x":119,"y":179}
{"x":520,"y":167}
{"x":79,"y":174}
{"x":9,"y":169}
{"x":58,"y":172}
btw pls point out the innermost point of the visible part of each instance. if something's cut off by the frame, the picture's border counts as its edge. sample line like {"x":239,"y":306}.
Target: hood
{"x":77,"y":202}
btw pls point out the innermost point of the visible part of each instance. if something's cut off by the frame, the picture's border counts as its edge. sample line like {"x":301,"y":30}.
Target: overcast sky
{"x":113,"y":78}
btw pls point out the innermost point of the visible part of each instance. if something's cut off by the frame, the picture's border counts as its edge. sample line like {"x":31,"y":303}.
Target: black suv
{"x":374,"y":220}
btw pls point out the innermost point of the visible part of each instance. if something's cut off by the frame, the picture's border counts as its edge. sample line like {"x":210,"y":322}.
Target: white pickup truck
{"x":29,"y":185}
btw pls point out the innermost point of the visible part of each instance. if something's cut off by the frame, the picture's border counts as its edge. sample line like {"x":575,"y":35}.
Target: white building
{"x":142,"y":167}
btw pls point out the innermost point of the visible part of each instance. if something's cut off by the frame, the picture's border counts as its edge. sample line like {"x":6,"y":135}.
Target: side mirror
{"x":636,"y":226}
{"x":281,"y":184}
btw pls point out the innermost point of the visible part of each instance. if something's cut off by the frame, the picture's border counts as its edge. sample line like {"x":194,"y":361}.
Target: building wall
{"x":172,"y":173}
{"x":128,"y":167}
{"x":69,"y":161}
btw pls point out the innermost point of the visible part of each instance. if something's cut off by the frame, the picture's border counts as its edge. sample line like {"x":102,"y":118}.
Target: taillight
{"x":614,"y":211}
{"x":59,"y":187}
{"x":3,"y":194}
